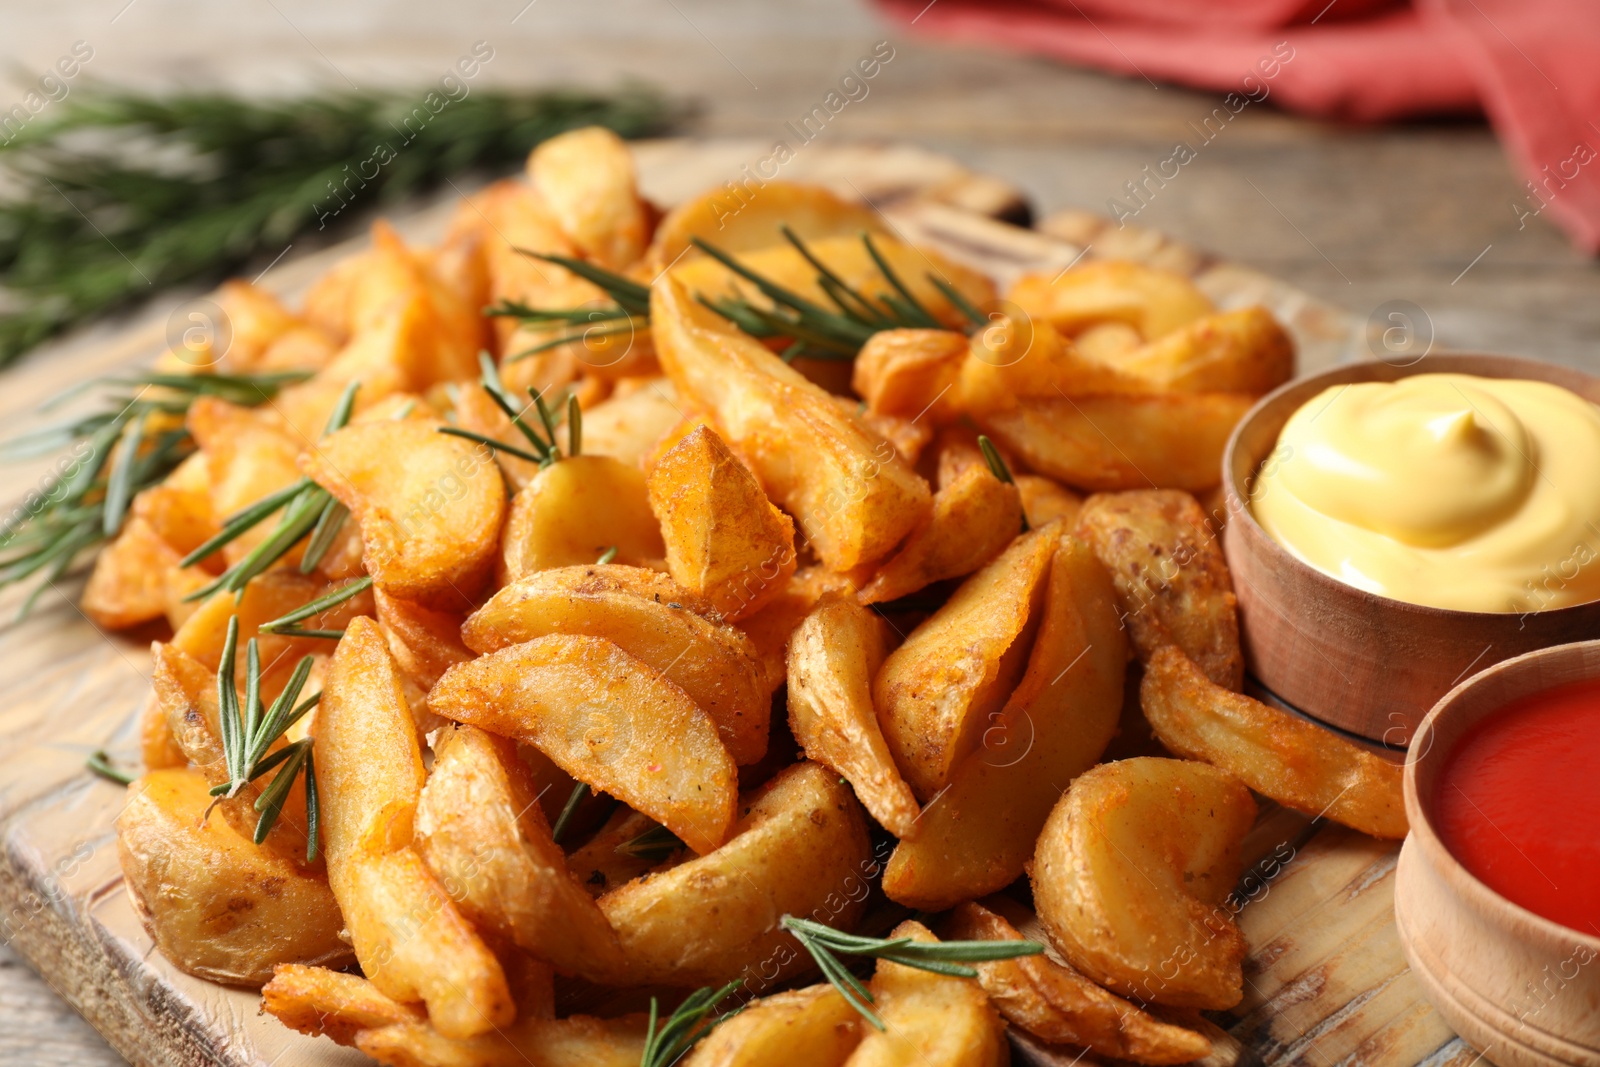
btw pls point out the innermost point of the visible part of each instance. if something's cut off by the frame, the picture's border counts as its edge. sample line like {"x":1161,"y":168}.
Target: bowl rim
{"x":1237,"y":503}
{"x":1480,"y":896}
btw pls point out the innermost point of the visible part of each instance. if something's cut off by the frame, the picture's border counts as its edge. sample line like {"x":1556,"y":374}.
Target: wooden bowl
{"x":1523,"y":989}
{"x":1366,"y":663}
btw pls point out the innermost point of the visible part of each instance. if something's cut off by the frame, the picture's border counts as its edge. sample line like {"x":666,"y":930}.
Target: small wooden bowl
{"x":1523,"y":989}
{"x":1366,"y":663}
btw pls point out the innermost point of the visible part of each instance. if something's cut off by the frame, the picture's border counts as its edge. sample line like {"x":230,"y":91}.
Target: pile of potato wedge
{"x":835,"y":664}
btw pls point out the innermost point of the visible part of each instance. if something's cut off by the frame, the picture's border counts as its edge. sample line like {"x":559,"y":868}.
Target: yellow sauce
{"x":1449,"y":490}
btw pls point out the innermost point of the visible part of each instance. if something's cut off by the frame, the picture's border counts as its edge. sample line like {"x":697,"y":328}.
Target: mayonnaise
{"x":1449,"y":490}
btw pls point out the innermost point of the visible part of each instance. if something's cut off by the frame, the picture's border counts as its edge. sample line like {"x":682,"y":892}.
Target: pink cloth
{"x":1533,"y":66}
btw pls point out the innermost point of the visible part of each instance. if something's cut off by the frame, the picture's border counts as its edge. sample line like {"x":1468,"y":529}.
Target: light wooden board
{"x":1326,"y":982}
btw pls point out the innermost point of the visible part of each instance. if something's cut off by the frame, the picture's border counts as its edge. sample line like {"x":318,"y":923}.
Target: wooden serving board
{"x":1325,"y":982}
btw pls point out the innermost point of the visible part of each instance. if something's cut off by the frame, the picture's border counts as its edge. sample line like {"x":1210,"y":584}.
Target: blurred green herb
{"x":685,"y":1026}
{"x":546,"y":445}
{"x":116,"y":194}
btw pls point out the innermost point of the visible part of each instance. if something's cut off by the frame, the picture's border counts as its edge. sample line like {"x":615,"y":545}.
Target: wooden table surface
{"x":1360,"y":217}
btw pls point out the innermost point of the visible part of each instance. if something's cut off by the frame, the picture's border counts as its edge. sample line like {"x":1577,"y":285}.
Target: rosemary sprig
{"x":997,"y":467}
{"x":685,"y":1026}
{"x":608,"y":555}
{"x":190,"y":186}
{"x":941,"y":957}
{"x":543,"y":439}
{"x":568,"y":810}
{"x":655,"y":844}
{"x":284,"y":625}
{"x":248,"y":731}
{"x":131,"y":443}
{"x":100,"y":763}
{"x":808,"y":328}
{"x":308,"y":509}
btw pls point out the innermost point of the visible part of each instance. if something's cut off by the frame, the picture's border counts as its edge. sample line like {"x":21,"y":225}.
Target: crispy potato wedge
{"x":424,"y":643}
{"x":974,"y":518}
{"x":1164,"y":441}
{"x":976,"y":837}
{"x":179,"y":509}
{"x":255,"y":319}
{"x":576,"y":1041}
{"x":1151,"y":300}
{"x":1108,"y":342}
{"x":931,"y":1020}
{"x":909,"y":437}
{"x":187,"y":693}
{"x":910,"y":373}
{"x":1016,"y":358}
{"x":771,"y":627}
{"x":628,"y":426}
{"x":1043,"y":501}
{"x":724,"y":539}
{"x":833,"y":657}
{"x":936,"y":692}
{"x":574,"y":511}
{"x":606,"y":718}
{"x":1296,"y":763}
{"x":216,"y":904}
{"x":647,"y":616}
{"x":848,"y":490}
{"x":799,"y":848}
{"x":158,"y":749}
{"x":324,"y":1003}
{"x":128,"y":585}
{"x":745,"y":221}
{"x":430,"y":506}
{"x":1172,"y":583}
{"x":1054,"y":1002}
{"x":1243,"y":351}
{"x":815,"y":1026}
{"x":1132,"y":873}
{"x":481,"y":832}
{"x":586,"y":179}
{"x":411,"y":940}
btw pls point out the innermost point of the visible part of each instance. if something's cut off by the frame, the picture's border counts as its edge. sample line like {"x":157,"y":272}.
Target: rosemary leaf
{"x":100,"y":763}
{"x":997,"y":466}
{"x":568,"y":810}
{"x":685,"y":1026}
{"x":318,"y":606}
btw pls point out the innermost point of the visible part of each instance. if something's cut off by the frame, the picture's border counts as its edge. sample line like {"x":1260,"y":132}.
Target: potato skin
{"x":1172,"y":581}
{"x":724,"y":538}
{"x":1299,"y":765}
{"x":932,"y":1020}
{"x":218,"y":905}
{"x":800,"y":848}
{"x":1131,"y":874}
{"x":814,"y":1026}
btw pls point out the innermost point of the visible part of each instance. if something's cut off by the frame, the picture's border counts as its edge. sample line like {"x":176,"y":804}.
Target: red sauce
{"x":1519,"y":804}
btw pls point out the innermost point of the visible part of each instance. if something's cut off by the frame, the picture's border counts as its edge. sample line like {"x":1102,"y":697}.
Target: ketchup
{"x":1519,"y":804}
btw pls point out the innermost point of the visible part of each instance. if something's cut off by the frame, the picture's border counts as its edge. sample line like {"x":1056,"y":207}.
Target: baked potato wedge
{"x":411,"y":940}
{"x":1110,"y":442}
{"x":976,"y":836}
{"x":833,"y":656}
{"x":1132,"y":874}
{"x":930,"y":1020}
{"x":800,"y":847}
{"x":1153,"y":301}
{"x":740,"y":224}
{"x":481,"y":832}
{"x":1044,"y":502}
{"x":574,"y":511}
{"x":576,"y":1041}
{"x":215,"y":903}
{"x":1296,"y":763}
{"x":910,"y":373}
{"x":424,"y":643}
{"x":628,"y":426}
{"x":1243,"y":351}
{"x":936,"y":692}
{"x":848,"y":490}
{"x":724,"y":539}
{"x":1054,"y":1002}
{"x":647,"y":615}
{"x":333,"y":1004}
{"x":585,"y":177}
{"x":128,"y":584}
{"x":606,"y":718}
{"x":973,"y":519}
{"x":815,"y":1026}
{"x":1172,"y":582}
{"x":430,"y":506}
